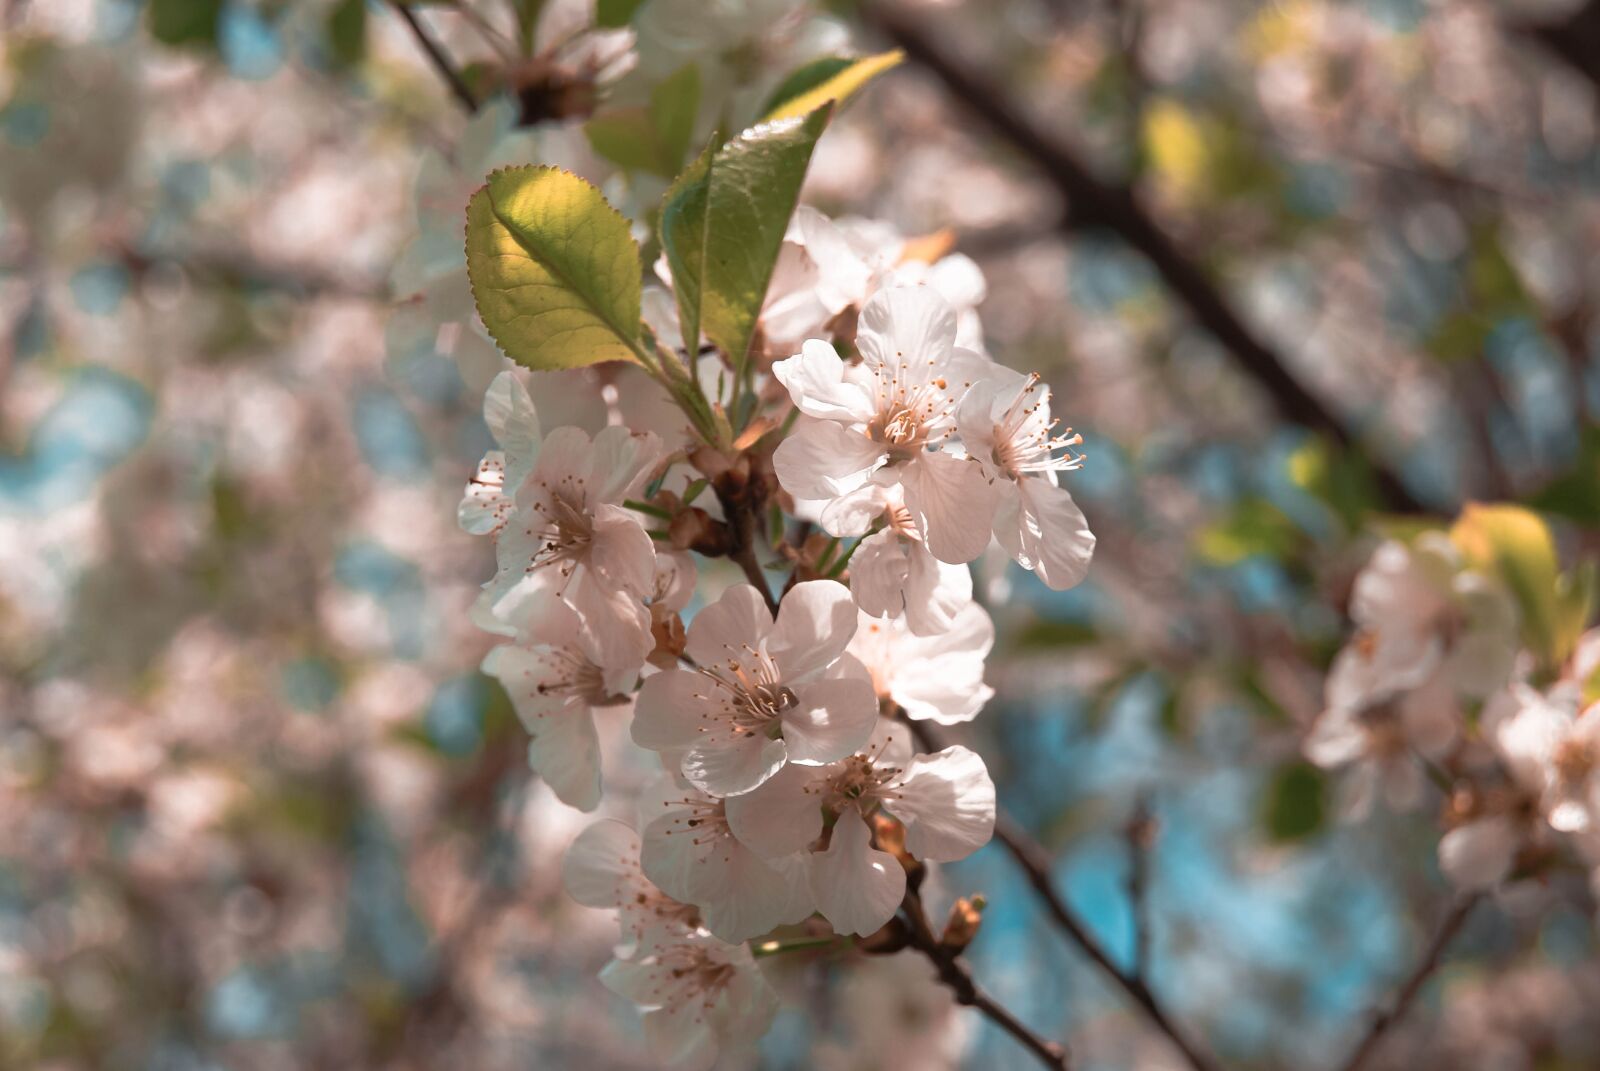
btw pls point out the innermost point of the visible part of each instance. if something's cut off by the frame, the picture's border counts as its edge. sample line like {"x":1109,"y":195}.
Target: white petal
{"x":936,"y":592}
{"x":1047,"y":533}
{"x":601,"y":868}
{"x":946,"y":802}
{"x":823,"y":460}
{"x":741,"y":895}
{"x":679,"y":1037}
{"x":564,"y":458}
{"x":514,"y":423}
{"x":815,"y":622}
{"x":721,"y":631}
{"x":833,"y":719}
{"x":621,"y":551}
{"x":856,"y":887}
{"x":620,"y":462}
{"x":736,"y":767}
{"x":669,"y":711}
{"x":616,"y":620}
{"x":815,"y":381}
{"x":907,"y":329}
{"x":781,"y":817}
{"x":564,"y":749}
{"x":952,"y":502}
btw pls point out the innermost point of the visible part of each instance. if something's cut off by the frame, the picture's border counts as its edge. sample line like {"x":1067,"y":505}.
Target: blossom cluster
{"x":1444,"y":678}
{"x":793,"y":784}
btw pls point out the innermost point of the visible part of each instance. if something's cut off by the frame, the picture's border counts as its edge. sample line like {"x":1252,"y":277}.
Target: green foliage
{"x":722,"y":224}
{"x":347,"y":32}
{"x":1575,"y":495}
{"x":609,"y":14}
{"x":656,"y":139}
{"x":1295,"y":805}
{"x":554,"y":269}
{"x":1255,"y":527}
{"x":1340,"y":479}
{"x":184,"y":22}
{"x":1515,"y":544}
{"x":831,"y":79}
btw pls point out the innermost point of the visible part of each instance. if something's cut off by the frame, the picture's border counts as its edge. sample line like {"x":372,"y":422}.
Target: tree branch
{"x":954,"y":974}
{"x":1385,"y":1018}
{"x":1035,"y":863}
{"x":1093,"y":202}
{"x":436,"y":53}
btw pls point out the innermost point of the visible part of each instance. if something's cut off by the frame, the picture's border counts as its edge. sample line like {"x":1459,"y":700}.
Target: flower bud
{"x":695,"y":529}
{"x":966,"y":915}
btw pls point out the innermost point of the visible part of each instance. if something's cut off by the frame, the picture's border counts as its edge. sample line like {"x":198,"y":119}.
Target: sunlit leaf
{"x":1515,"y":543}
{"x":723,"y":223}
{"x":826,"y":80}
{"x":554,"y":269}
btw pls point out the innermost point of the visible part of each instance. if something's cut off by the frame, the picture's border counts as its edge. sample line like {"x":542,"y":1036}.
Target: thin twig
{"x":1035,"y":863}
{"x":1385,"y":1018}
{"x":954,"y":974}
{"x":742,"y":522}
{"x":1092,"y":202}
{"x":436,"y":53}
{"x":1137,"y":834}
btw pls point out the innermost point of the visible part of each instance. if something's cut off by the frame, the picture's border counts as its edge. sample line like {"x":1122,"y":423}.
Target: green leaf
{"x":655,"y":139}
{"x":554,"y":269}
{"x":1295,"y":806}
{"x":683,"y":238}
{"x":673,"y":107}
{"x":347,"y":31}
{"x":1515,"y":544}
{"x":609,"y":14}
{"x":832,"y":80}
{"x":184,"y":22}
{"x":723,"y":225}
{"x":1576,"y":494}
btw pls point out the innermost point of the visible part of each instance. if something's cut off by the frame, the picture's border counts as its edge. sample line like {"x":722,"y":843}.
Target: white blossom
{"x":937,"y":677}
{"x":883,"y":421}
{"x":945,"y":802}
{"x":763,"y":692}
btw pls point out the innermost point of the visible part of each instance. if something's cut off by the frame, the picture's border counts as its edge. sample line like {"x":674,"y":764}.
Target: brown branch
{"x":1092,"y":202}
{"x":742,"y":523}
{"x":1385,"y":1018}
{"x":436,"y":53}
{"x":1035,"y":864}
{"x":955,"y":975}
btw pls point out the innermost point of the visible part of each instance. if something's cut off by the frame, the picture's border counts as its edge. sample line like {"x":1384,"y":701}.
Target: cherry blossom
{"x":945,"y":801}
{"x":1007,"y":428}
{"x":601,"y":869}
{"x":690,"y":852}
{"x":892,"y":574}
{"x":937,"y":677}
{"x":514,"y":423}
{"x":555,"y":681}
{"x":886,"y":419}
{"x":704,"y":999}
{"x":763,"y":693}
{"x":570,"y":538}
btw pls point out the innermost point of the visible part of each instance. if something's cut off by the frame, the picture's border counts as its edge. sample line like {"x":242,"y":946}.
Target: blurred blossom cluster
{"x":277,"y":775}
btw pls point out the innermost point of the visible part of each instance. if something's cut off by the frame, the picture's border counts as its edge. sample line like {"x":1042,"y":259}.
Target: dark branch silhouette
{"x":1092,"y":202}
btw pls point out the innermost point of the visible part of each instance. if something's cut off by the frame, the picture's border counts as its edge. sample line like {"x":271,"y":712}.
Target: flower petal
{"x":1047,"y":533}
{"x":834,"y":719}
{"x":946,"y":802}
{"x":669,"y":710}
{"x":815,"y":622}
{"x":736,"y":767}
{"x":781,"y":817}
{"x":722,"y":630}
{"x":822,"y":459}
{"x":952,"y":502}
{"x":815,"y":380}
{"x":856,"y":887}
{"x":907,"y":331}
{"x":601,"y":868}
{"x":619,"y":463}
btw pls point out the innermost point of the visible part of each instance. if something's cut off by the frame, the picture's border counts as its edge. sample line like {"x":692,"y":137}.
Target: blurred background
{"x":258,"y":809}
